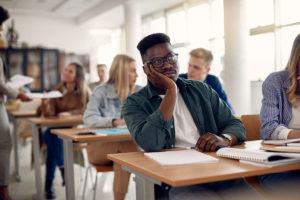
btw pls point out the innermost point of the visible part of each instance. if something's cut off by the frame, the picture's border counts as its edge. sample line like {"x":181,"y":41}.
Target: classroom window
{"x":288,"y":35}
{"x":198,"y":23}
{"x":158,"y":25}
{"x":289,"y":11}
{"x":260,"y":12}
{"x":177,"y":26}
{"x":261,"y":57}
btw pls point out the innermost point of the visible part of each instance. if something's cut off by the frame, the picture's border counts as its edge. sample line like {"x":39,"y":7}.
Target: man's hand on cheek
{"x":158,"y":79}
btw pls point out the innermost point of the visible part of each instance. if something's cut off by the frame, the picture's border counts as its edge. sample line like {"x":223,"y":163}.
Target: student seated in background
{"x":5,"y":141}
{"x":199,"y":67}
{"x":280,"y":119}
{"x":101,"y":69}
{"x":171,"y":111}
{"x":104,"y":110}
{"x":75,"y":97}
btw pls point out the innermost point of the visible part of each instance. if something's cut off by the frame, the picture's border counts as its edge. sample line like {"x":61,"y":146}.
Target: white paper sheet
{"x":48,"y":95}
{"x":181,"y":157}
{"x":18,"y":81}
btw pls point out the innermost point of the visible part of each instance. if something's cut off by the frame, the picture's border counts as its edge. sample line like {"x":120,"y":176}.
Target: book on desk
{"x":259,"y":157}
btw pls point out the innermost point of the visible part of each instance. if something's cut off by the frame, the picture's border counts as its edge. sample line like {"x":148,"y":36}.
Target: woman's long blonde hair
{"x":293,"y":93}
{"x":118,"y":75}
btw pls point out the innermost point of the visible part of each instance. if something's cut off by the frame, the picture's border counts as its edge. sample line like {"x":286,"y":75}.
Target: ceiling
{"x":97,"y":13}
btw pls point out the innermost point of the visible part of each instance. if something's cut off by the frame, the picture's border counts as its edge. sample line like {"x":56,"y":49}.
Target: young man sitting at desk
{"x":171,"y":111}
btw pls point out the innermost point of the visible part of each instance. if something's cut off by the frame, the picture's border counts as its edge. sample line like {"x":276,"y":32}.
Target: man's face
{"x":159,"y":52}
{"x":101,"y":72}
{"x":198,"y":69}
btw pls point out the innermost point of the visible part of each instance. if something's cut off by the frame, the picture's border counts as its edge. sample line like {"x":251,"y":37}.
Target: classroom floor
{"x":26,"y":188}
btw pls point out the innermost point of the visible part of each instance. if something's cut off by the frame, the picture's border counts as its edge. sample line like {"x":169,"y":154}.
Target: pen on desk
{"x":190,"y":147}
{"x":85,"y":133}
{"x":219,"y":147}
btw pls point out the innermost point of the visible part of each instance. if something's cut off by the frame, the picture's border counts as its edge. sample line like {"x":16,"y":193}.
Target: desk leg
{"x":69,"y":169}
{"x":144,"y":185}
{"x":37,"y":162}
{"x":16,"y":150}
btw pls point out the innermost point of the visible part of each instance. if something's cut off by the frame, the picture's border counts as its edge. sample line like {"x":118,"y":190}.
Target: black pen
{"x":85,"y":133}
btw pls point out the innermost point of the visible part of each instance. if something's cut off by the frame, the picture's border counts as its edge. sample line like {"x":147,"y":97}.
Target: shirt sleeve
{"x":226,"y":121}
{"x":93,"y":116}
{"x":270,"y":113}
{"x":149,"y":130}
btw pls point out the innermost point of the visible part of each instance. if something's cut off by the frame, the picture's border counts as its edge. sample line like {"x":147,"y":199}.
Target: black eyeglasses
{"x":158,"y":62}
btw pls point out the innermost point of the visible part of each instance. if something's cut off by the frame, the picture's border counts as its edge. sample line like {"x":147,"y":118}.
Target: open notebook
{"x":181,"y":157}
{"x":258,"y":157}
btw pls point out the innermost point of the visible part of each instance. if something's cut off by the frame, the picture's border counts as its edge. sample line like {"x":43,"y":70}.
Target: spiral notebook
{"x":258,"y":157}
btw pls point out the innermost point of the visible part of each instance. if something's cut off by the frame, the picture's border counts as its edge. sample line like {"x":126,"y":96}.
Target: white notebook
{"x":181,"y":157}
{"x":267,"y":159}
{"x":282,"y":142}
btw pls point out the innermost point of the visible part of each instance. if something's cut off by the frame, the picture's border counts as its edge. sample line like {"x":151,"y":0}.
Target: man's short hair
{"x":101,"y":65}
{"x":151,"y":40}
{"x":202,"y":53}
{"x":3,"y":15}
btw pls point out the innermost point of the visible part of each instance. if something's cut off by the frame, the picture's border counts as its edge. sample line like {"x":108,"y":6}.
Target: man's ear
{"x":208,"y":69}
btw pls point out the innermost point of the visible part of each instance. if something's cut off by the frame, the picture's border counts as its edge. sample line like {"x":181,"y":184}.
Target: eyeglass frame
{"x":164,"y":59}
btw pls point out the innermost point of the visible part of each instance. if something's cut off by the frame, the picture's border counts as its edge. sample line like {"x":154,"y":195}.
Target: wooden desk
{"x":40,"y":122}
{"x":14,"y":115}
{"x":71,"y":135}
{"x":148,"y":172}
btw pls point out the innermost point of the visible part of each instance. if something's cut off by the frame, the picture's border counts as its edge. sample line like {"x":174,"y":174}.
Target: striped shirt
{"x":276,"y":110}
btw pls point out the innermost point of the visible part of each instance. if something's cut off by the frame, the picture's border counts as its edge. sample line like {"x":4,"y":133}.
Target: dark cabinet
{"x":41,"y":64}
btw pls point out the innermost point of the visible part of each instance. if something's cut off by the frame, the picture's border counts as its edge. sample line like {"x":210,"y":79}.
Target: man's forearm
{"x":167,"y":105}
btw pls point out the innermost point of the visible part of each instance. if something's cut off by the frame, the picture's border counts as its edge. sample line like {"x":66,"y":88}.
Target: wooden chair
{"x":99,"y":169}
{"x":252,"y":126}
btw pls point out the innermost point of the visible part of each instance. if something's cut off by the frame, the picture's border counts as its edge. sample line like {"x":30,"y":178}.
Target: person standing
{"x":5,"y":141}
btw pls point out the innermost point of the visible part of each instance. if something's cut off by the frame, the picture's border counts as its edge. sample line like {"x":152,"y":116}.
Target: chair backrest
{"x":252,"y":126}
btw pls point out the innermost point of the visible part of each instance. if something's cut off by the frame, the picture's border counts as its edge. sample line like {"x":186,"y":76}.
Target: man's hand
{"x":209,"y":142}
{"x":159,"y":80}
{"x":23,"y":97}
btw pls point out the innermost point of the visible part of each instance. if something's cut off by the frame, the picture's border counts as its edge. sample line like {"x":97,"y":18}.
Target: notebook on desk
{"x":110,"y":131}
{"x":258,"y":157}
{"x":181,"y":157}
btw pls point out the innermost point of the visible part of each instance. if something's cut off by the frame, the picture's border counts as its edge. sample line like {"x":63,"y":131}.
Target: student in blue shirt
{"x":104,"y":110}
{"x":280,"y":117}
{"x":199,"y":67}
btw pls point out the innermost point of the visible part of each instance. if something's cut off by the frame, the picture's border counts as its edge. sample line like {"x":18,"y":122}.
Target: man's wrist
{"x":228,"y":139}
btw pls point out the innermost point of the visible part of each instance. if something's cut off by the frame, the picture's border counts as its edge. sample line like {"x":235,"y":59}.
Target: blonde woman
{"x":75,"y":96}
{"x":104,"y":110}
{"x":280,"y":117}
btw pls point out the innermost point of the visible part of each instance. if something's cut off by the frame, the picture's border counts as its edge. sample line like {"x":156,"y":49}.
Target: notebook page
{"x":181,"y":157}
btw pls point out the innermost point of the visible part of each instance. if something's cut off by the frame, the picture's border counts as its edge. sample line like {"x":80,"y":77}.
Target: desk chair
{"x":252,"y":126}
{"x":99,"y":168}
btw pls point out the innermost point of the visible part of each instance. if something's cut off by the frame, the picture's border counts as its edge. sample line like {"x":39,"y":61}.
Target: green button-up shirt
{"x":152,"y":133}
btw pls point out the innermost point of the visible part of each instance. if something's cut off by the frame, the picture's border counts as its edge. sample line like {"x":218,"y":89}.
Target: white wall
{"x":51,"y":33}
